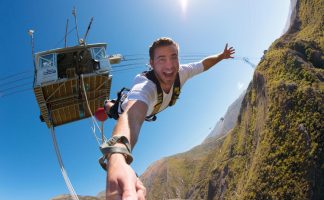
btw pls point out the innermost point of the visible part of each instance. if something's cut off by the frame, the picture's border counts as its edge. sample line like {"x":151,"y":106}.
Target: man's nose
{"x":170,"y":63}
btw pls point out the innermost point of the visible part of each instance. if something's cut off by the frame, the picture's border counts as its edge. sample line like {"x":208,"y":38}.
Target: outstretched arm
{"x":122,"y":182}
{"x":131,"y":120}
{"x":210,"y":61}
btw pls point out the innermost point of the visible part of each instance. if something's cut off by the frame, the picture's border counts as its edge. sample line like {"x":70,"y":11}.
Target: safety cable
{"x":95,"y":124}
{"x":55,"y":46}
{"x":121,"y":70}
{"x":8,"y":91}
{"x":63,"y":171}
{"x":15,"y":81}
{"x":14,"y":87}
{"x":126,"y":65}
{"x":2,"y":95}
{"x":14,"y":75}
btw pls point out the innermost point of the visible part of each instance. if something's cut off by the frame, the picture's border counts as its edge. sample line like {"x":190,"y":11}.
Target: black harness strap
{"x":175,"y":93}
{"x":151,"y":76}
{"x":113,"y":113}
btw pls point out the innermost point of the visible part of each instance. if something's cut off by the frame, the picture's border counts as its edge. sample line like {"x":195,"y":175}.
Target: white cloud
{"x":240,"y":85}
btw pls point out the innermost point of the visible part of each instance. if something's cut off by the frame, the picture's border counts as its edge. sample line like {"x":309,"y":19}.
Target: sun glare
{"x":183,"y":4}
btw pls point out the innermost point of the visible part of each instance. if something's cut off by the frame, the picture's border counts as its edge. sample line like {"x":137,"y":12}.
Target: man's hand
{"x":228,"y":52}
{"x":122,"y":183}
{"x":212,"y":60}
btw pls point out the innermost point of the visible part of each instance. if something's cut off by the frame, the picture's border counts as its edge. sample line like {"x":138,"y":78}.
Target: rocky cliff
{"x":275,"y":151}
{"x":229,"y":120}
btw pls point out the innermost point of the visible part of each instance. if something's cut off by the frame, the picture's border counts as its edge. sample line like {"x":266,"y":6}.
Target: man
{"x":141,"y":102}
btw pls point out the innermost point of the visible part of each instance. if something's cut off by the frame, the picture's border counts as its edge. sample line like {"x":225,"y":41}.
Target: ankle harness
{"x":108,"y":148}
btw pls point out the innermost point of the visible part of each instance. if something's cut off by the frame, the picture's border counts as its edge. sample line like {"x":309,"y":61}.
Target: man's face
{"x":166,"y":64}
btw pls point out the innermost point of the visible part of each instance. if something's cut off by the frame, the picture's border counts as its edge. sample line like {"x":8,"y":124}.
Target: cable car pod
{"x":58,"y":84}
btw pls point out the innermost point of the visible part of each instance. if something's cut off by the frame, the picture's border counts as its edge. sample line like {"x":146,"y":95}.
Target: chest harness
{"x":122,"y":94}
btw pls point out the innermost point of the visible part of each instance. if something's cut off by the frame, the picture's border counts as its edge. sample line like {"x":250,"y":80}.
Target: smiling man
{"x":152,"y":92}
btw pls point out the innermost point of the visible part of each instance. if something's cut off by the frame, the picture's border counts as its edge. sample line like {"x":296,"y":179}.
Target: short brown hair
{"x":163,"y":41}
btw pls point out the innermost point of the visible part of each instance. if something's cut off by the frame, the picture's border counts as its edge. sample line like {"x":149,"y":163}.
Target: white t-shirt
{"x":145,"y":90}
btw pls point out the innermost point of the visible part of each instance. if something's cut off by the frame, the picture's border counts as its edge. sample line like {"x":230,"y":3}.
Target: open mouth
{"x":168,"y":74}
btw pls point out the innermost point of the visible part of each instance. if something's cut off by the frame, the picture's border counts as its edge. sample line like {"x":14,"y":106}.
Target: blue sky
{"x":28,"y":166}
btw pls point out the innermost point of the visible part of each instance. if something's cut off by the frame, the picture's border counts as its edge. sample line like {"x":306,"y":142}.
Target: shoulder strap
{"x":175,"y":93}
{"x":151,"y":76}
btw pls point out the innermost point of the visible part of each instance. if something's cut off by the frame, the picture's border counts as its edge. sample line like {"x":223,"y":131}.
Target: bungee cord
{"x":94,"y":121}
{"x":63,"y":171}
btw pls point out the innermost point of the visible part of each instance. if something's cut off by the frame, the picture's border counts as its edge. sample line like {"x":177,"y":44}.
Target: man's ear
{"x":151,"y":63}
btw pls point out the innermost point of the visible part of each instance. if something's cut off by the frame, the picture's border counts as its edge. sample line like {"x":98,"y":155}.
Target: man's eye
{"x":162,"y":60}
{"x":174,"y":57}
